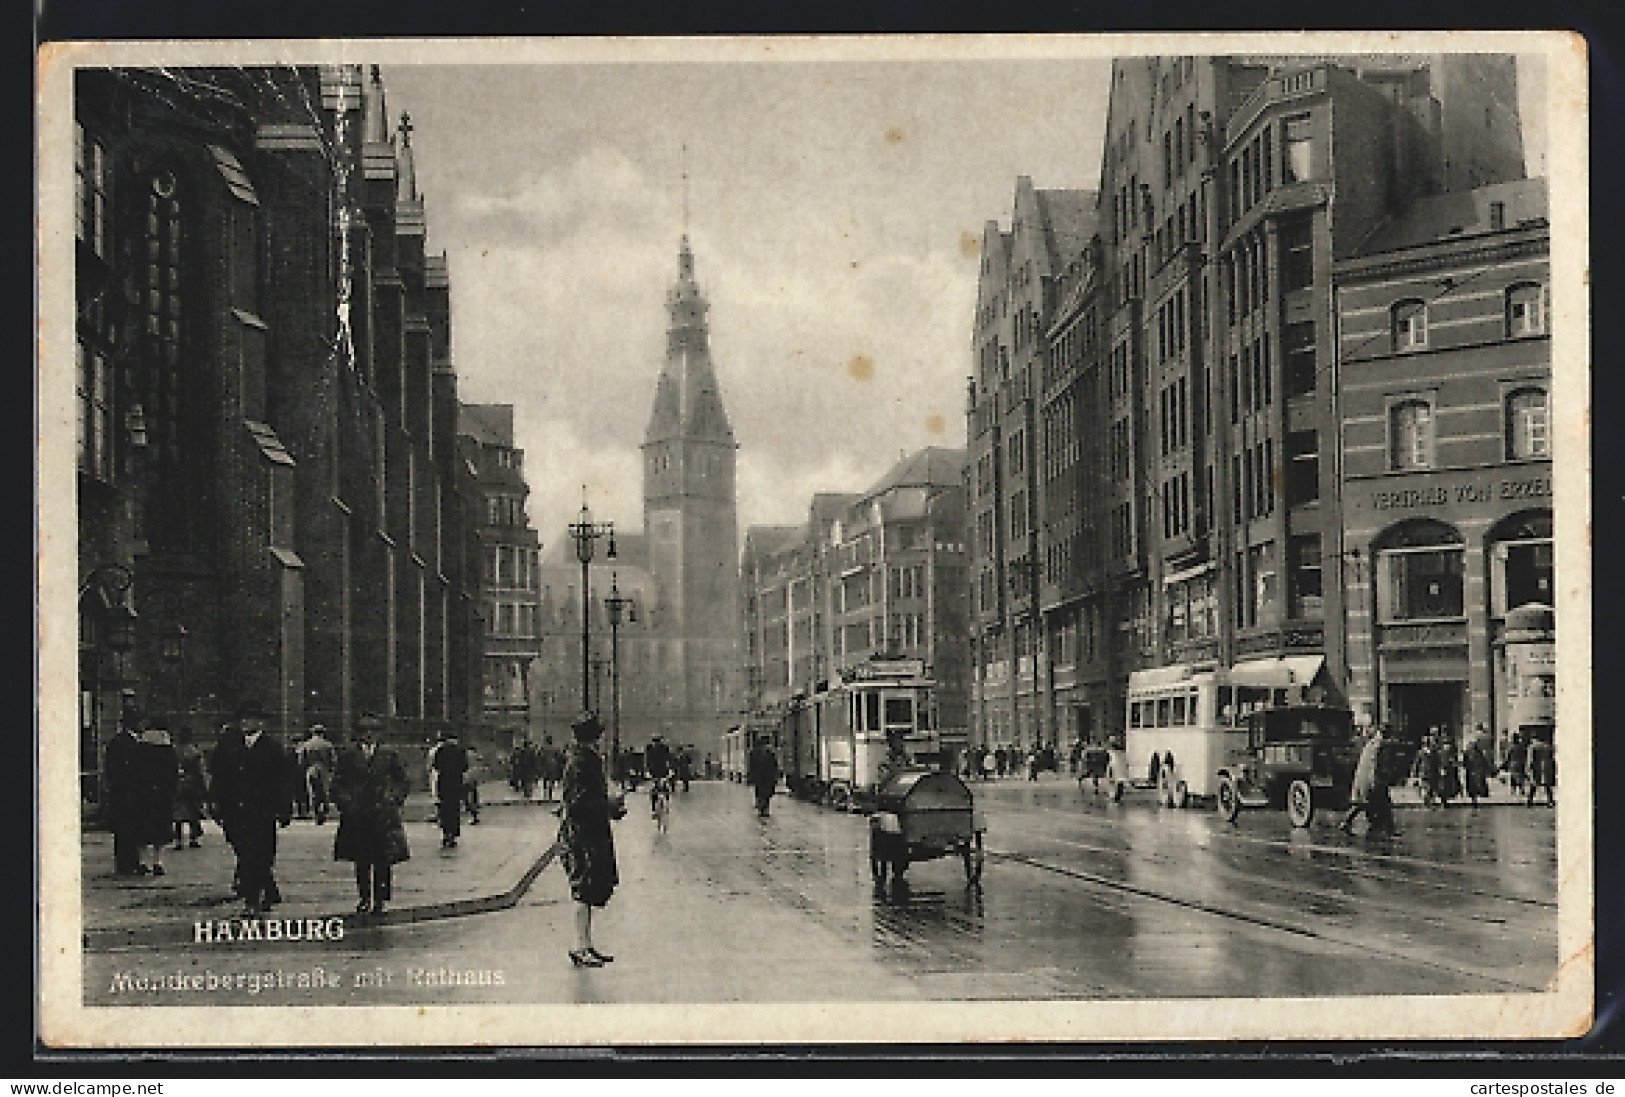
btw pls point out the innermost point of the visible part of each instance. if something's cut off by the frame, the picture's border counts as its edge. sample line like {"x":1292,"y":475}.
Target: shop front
{"x":1443,"y":567}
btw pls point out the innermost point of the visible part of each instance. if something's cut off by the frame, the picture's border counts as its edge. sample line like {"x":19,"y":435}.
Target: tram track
{"x":1353,"y":855}
{"x":1263,"y":922}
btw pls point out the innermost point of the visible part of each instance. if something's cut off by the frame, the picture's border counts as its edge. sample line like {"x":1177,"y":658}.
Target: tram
{"x":835,"y":741}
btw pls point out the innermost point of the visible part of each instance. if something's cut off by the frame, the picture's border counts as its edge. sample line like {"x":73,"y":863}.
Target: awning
{"x":1278,"y":673}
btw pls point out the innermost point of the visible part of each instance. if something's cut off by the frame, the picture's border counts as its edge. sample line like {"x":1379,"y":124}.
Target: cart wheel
{"x":1229,"y":799}
{"x":1300,"y":803}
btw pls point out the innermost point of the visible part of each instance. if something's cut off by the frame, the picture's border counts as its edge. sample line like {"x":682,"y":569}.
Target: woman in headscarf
{"x":589,"y":847}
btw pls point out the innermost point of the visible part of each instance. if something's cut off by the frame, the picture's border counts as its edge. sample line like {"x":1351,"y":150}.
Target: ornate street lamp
{"x":616,"y":604}
{"x":586,"y":533}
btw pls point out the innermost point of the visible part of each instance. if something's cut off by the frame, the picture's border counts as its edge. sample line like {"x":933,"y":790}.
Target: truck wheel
{"x":1229,"y":799}
{"x":1300,"y":803}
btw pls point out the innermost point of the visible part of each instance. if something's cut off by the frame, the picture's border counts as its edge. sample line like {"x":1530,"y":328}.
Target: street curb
{"x":107,"y":939}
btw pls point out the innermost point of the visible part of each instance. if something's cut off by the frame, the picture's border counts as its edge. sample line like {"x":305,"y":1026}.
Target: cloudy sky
{"x":834,"y":212}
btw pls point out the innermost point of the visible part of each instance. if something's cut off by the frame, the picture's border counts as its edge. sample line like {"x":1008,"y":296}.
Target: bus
{"x":1187,"y":725}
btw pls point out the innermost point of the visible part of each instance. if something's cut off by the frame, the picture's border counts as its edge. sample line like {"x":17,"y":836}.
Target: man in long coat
{"x":122,"y":802}
{"x":450,"y":765}
{"x":763,"y":775}
{"x":252,"y":784}
{"x":370,"y":786}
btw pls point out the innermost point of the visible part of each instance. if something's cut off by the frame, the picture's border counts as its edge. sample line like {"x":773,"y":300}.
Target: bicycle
{"x":660,"y":803}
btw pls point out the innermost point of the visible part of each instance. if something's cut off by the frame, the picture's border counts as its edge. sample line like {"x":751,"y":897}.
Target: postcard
{"x":821,"y":541}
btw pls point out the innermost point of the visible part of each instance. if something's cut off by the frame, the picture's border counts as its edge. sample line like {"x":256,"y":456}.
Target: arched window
{"x":1410,"y":435}
{"x":1421,"y":572}
{"x":1526,"y":310}
{"x":1409,"y":323}
{"x":1527,"y":436}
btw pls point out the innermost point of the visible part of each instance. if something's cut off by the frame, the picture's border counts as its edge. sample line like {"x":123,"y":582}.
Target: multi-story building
{"x":1014,"y":302}
{"x":1185,"y":515}
{"x":507,"y":550}
{"x":1443,"y":375}
{"x":267,"y":500}
{"x":879,"y":572}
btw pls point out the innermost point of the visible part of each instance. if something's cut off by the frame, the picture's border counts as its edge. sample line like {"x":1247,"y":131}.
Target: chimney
{"x":1498,"y":216}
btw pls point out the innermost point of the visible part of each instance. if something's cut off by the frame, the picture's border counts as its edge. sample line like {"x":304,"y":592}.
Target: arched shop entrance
{"x":1422,"y":579}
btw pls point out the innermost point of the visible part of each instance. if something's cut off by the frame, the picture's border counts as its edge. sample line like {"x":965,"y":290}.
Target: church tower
{"x":690,"y":520}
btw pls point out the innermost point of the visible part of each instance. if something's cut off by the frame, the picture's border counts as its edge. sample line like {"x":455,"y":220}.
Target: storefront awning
{"x":1278,"y":673}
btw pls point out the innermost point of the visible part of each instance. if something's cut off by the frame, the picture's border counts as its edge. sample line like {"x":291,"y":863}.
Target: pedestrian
{"x":1449,"y":768}
{"x":157,"y":772}
{"x":370,"y":786}
{"x":447,"y":767}
{"x":121,"y":800}
{"x":1516,"y":762}
{"x":252,"y":797}
{"x":1365,"y":782}
{"x":191,"y":790}
{"x":1542,"y":769}
{"x":1476,"y":761}
{"x":762,"y":772}
{"x":1000,"y":759}
{"x":1425,"y":772}
{"x":584,"y":834}
{"x":471,"y":786}
{"x":1032,"y":765}
{"x":685,"y":766}
{"x":316,"y":759}
{"x":550,"y":763}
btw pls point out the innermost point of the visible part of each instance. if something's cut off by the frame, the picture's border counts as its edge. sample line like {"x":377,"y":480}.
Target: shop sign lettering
{"x":1440,"y":495}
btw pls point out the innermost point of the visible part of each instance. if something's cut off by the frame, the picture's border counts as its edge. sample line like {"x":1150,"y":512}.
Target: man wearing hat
{"x":370,"y":786}
{"x":450,"y":764}
{"x":251,"y":794}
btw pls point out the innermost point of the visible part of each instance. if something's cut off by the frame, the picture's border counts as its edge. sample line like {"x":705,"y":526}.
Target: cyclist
{"x":658,"y":761}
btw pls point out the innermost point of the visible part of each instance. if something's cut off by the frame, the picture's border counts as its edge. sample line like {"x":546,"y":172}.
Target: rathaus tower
{"x":690,"y":520}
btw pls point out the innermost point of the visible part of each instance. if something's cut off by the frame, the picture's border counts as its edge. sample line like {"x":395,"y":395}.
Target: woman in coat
{"x":191,"y":790}
{"x":589,"y":847}
{"x":157,"y":770}
{"x":369,"y":786}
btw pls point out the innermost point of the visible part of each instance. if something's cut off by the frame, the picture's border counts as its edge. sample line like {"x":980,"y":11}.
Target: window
{"x":1306,"y":590}
{"x":1265,"y":592}
{"x":1299,"y":341}
{"x":1297,"y":254}
{"x":1409,"y":321}
{"x":1303,"y":467}
{"x":1410,"y":435}
{"x":1297,"y":163}
{"x":95,"y":435}
{"x":1527,"y":436}
{"x":91,"y":177}
{"x":1421,"y":583}
{"x":1526,"y":310}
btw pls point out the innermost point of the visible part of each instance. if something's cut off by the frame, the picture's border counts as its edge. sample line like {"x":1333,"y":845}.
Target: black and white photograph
{"x":630,"y":541}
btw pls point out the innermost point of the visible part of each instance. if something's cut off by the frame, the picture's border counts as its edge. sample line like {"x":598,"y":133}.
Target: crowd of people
{"x":159,"y":790}
{"x":985,"y":764}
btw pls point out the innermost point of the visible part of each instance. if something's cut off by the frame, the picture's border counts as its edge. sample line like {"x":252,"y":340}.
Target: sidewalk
{"x":492,"y":866}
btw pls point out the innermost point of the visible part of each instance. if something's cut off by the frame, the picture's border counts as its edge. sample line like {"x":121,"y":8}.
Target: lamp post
{"x":586,"y":533}
{"x":616,"y":604}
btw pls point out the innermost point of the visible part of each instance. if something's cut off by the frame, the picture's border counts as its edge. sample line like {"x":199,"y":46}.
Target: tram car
{"x":835,"y":739}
